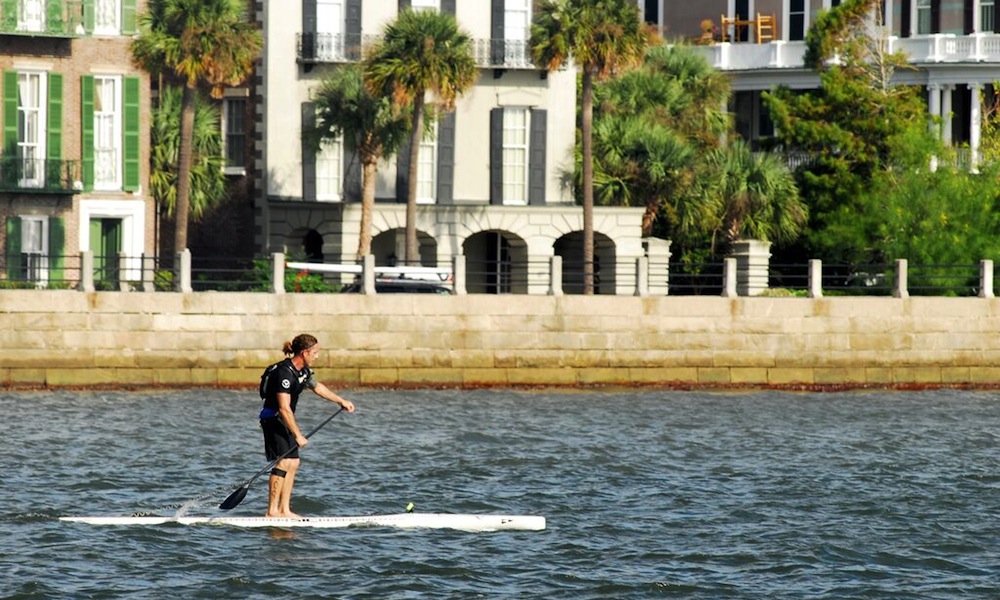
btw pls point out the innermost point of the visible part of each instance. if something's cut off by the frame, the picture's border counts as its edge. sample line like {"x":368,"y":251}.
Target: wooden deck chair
{"x":766,"y":28}
{"x":726,"y":24}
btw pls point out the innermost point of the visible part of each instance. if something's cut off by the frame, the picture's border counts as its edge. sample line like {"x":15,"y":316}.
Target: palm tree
{"x":603,"y":37}
{"x":208,"y":183}
{"x":752,"y":196}
{"x":195,"y":43}
{"x":420,"y":52}
{"x":371,"y":126}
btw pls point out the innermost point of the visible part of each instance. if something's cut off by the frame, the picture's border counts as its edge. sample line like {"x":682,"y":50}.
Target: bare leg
{"x":285,"y":495}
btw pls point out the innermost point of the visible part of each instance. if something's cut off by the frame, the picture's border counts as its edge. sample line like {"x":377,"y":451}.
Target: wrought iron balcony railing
{"x":46,"y":18}
{"x":315,"y":48}
{"x":52,"y":176}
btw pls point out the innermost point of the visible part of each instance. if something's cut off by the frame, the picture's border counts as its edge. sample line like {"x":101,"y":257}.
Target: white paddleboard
{"x":403,"y":521}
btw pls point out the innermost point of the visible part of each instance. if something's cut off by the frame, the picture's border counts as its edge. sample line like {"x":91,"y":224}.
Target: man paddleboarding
{"x":280,"y":387}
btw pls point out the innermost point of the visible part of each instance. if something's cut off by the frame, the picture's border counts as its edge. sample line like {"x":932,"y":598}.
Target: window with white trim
{"x":515,"y":155}
{"x":330,"y":170}
{"x":417,"y":5}
{"x":517,"y":31}
{"x":330,"y":26}
{"x":107,"y":132}
{"x":31,"y":128}
{"x":797,"y":20}
{"x":924,"y":24}
{"x":107,"y":17}
{"x":234,"y":115}
{"x":34,"y":248}
{"x":987,"y":15}
{"x":427,"y":169}
{"x":31,"y":15}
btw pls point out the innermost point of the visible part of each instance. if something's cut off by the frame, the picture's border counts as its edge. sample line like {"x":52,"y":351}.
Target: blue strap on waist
{"x":268,"y":413}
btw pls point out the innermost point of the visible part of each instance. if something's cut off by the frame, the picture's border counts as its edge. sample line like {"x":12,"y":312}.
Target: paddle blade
{"x":235,"y":498}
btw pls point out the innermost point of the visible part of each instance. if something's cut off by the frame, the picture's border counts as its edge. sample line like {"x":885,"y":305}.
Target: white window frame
{"x":330,"y":171}
{"x":515,"y":139}
{"x":33,"y":20}
{"x":517,"y":32}
{"x":231,"y":107}
{"x":331,"y":25}
{"x":107,"y":133}
{"x":987,"y":13}
{"x":427,"y":168}
{"x":31,"y":120}
{"x":922,"y":12}
{"x":133,"y":216}
{"x":35,"y":247}
{"x":107,"y":17}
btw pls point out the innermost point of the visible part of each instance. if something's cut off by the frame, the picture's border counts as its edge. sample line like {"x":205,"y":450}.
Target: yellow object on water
{"x":409,"y":507}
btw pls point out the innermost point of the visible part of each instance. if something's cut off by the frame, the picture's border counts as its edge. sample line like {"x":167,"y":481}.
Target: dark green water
{"x":647,"y":494}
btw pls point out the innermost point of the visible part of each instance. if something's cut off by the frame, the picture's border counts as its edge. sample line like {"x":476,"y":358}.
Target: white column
{"x":277,"y":272}
{"x":934,"y":108}
{"x":946,"y":113}
{"x":975,"y":124}
{"x":887,"y":17}
{"x":986,"y":279}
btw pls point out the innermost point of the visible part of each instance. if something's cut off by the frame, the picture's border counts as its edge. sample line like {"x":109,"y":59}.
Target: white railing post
{"x":368,"y":274}
{"x":182,"y":272}
{"x":147,"y":266}
{"x":815,"y":278}
{"x":555,"y":276}
{"x":642,"y":276}
{"x":87,"y":271}
{"x":458,"y":275}
{"x":277,"y":272}
{"x":901,"y":290}
{"x":986,"y":279}
{"x":123,"y":284}
{"x":729,"y":278}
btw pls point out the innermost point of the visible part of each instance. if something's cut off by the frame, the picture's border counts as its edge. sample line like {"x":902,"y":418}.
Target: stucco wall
{"x":67,"y":338}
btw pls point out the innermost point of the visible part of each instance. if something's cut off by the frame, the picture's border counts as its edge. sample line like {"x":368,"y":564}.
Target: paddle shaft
{"x":237,"y":496}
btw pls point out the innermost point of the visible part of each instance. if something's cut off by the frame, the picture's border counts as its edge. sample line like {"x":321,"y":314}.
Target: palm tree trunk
{"x":587,"y":108}
{"x":184,"y":157}
{"x":368,"y":170}
{"x":412,"y":249}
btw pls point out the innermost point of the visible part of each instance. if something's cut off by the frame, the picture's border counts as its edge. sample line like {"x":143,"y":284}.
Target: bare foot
{"x":291,"y":515}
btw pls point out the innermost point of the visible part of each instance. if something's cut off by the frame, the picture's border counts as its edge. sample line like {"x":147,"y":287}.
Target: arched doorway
{"x":570,"y":248}
{"x":496,"y":262}
{"x":389,"y":248}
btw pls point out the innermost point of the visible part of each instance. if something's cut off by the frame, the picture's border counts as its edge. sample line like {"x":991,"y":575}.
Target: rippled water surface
{"x":646,"y":493}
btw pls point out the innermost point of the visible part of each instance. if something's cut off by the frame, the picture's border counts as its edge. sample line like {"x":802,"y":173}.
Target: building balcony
{"x":319,"y":48}
{"x":42,"y":18}
{"x":925,"y":50}
{"x":43,"y":176}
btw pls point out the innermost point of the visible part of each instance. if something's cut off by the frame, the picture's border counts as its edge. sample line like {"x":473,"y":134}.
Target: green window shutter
{"x":87,"y":128}
{"x":130,"y":144}
{"x":54,"y":175}
{"x":14,"y":248}
{"x":128,"y":17}
{"x":8,"y":15}
{"x":54,"y":17}
{"x":57,"y":249}
{"x":88,"y":16}
{"x":9,"y":166}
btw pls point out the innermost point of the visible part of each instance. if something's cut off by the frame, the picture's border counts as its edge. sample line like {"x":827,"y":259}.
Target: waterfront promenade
{"x":56,"y":338}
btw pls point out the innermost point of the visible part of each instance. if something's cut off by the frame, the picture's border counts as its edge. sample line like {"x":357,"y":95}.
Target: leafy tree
{"x":195,"y":44}
{"x":603,"y":38}
{"x":371,"y":126}
{"x":207,"y":180}
{"x":420,"y":52}
{"x":853,"y":129}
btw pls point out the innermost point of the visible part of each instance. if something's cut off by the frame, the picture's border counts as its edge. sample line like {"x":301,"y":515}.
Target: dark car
{"x":402,"y":286}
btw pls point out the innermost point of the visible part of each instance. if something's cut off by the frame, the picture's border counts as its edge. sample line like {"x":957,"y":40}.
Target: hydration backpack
{"x":265,"y":376}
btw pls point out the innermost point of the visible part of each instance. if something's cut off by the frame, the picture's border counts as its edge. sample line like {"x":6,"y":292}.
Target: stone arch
{"x":389,"y":248}
{"x":496,"y":262}
{"x":570,"y":248}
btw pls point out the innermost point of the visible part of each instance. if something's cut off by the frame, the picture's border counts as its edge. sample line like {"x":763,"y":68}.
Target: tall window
{"x":924,"y":24}
{"x":107,"y":133}
{"x":517,"y":31}
{"x":797,"y":20}
{"x":31,"y":128}
{"x":235,"y":115}
{"x":34,"y":241}
{"x":515,"y":156}
{"x":425,"y":5}
{"x":427,"y":169}
{"x":987,"y":15}
{"x":31,"y":15}
{"x":107,"y":17}
{"x":330,"y":170}
{"x":330,"y":29}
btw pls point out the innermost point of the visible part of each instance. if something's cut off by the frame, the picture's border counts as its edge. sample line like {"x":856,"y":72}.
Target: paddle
{"x":237,"y":496}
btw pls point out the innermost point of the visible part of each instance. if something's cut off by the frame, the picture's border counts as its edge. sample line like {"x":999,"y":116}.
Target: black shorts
{"x":277,"y":439}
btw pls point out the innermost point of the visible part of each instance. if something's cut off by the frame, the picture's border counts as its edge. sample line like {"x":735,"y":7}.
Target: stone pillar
{"x":642,"y":276}
{"x":975,"y":124}
{"x":458,"y":274}
{"x":901,"y":290}
{"x":147,"y":267}
{"x":658,"y":263}
{"x":555,"y":276}
{"x":368,"y":274}
{"x":123,"y":284}
{"x":182,"y":272}
{"x":729,"y":278}
{"x":753,"y":259}
{"x":815,"y":278}
{"x":278,"y":273}
{"x":986,"y":279}
{"x":87,"y":271}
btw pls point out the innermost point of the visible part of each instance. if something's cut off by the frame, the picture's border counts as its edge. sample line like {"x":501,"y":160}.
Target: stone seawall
{"x":68,"y":338}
